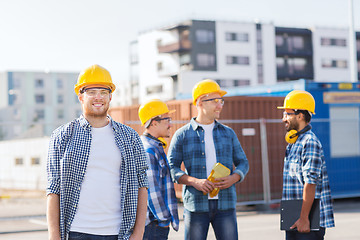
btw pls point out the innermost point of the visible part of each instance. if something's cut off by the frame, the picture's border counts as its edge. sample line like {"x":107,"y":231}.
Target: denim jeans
{"x":86,"y":236}
{"x":223,"y":222}
{"x":312,"y":235}
{"x":154,"y":232}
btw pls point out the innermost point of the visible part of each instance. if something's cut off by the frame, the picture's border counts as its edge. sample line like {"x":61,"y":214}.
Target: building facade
{"x":33,"y":104}
{"x":165,"y":63}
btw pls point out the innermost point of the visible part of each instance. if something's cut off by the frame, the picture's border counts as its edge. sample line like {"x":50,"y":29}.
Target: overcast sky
{"x":69,"y":35}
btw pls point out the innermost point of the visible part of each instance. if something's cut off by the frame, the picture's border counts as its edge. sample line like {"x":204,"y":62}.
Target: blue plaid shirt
{"x":188,"y":146}
{"x":162,"y":202}
{"x":305,"y":163}
{"x":68,"y":155}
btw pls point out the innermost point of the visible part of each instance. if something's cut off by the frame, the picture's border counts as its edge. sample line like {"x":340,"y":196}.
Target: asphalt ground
{"x":25,"y":219}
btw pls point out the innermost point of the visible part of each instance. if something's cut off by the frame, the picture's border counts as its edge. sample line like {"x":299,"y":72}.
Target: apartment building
{"x":166,"y":63}
{"x":33,"y":104}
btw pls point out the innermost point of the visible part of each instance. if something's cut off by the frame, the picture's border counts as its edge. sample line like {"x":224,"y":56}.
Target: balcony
{"x":177,"y":47}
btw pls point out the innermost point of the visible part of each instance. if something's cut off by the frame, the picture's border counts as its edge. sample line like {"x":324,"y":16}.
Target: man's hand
{"x":226,"y":182}
{"x":203,"y":185}
{"x":302,"y":225}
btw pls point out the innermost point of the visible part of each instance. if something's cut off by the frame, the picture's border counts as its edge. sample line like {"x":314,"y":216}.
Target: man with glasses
{"x":199,"y":145}
{"x":162,"y":203}
{"x":305,"y":176}
{"x":97,"y":183}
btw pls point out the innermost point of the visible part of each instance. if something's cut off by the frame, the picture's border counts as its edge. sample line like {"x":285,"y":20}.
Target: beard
{"x":292,"y":125}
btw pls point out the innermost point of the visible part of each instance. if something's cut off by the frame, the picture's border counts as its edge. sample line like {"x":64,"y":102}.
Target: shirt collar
{"x":195,"y":125}
{"x":86,"y":125}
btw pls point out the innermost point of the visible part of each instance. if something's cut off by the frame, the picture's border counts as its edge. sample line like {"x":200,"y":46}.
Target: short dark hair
{"x":306,"y":114}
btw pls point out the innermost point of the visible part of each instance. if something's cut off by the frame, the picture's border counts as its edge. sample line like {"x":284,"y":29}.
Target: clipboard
{"x":218,"y":171}
{"x":290,"y":213}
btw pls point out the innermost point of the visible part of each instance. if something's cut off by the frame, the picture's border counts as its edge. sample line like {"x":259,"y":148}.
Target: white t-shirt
{"x":99,"y":210}
{"x":210,"y":151}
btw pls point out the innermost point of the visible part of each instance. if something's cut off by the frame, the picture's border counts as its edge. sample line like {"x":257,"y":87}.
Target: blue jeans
{"x":223,"y":222}
{"x":154,"y":232}
{"x":312,"y":235}
{"x":86,"y":236}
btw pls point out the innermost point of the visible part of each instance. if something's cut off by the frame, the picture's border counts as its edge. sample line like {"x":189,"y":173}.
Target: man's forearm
{"x":140,"y":214}
{"x":308,"y":200}
{"x":53,"y":216}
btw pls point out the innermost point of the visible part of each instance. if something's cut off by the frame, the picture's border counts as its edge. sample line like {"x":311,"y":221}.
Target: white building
{"x":166,"y":63}
{"x":23,"y":163}
{"x":35,"y":103}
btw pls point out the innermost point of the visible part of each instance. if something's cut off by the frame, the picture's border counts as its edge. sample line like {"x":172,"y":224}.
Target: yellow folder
{"x":218,"y":171}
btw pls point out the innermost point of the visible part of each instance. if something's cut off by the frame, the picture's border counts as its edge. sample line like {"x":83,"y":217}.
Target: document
{"x":290,"y":213}
{"x":218,"y":171}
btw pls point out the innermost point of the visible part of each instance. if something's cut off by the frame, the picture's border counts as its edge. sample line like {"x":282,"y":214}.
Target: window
{"x":344,"y":131}
{"x":159,"y":66}
{"x":204,"y":36}
{"x":39,"y":114}
{"x":35,"y":161}
{"x":60,"y":99}
{"x":330,"y":63}
{"x":39,"y":83}
{"x":205,"y":60}
{"x":59,"y":83}
{"x":232,"y":83}
{"x":60,"y":114}
{"x":341,"y":42}
{"x":39,"y":98}
{"x":154,"y":89}
{"x":19,"y":161}
{"x":239,"y":60}
{"x":298,"y":42}
{"x":240,"y":37}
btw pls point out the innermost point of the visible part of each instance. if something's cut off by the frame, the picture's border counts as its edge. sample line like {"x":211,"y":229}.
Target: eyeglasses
{"x":165,"y":118}
{"x":92,"y":92}
{"x":215,"y":100}
{"x":286,"y":114}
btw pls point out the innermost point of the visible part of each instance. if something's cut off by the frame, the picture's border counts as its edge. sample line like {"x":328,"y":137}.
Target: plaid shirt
{"x":68,"y":155}
{"x":305,"y":163}
{"x":162,"y":202}
{"x":188,"y":146}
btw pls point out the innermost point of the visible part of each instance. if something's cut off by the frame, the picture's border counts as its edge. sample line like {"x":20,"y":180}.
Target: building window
{"x":39,"y":114}
{"x":298,"y":42}
{"x":59,"y":83}
{"x":238,"y":60}
{"x":60,"y":114}
{"x":279,"y":40}
{"x":296,"y":64}
{"x":330,"y":63}
{"x":340,"y":42}
{"x":239,"y":37}
{"x":19,"y":161}
{"x":39,"y":98}
{"x":60,"y":99}
{"x":154,"y":89}
{"x":35,"y":161}
{"x":204,"y":36}
{"x":227,"y":83}
{"x":39,"y":83}
{"x":205,"y":60}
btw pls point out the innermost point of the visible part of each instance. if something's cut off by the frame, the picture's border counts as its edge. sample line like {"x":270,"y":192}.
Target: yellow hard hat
{"x":204,"y":87}
{"x":300,"y":100}
{"x":94,"y":74}
{"x":152,"y":109}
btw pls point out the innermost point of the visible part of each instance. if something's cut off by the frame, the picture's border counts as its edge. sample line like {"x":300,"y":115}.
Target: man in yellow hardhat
{"x":305,"y":175}
{"x":97,"y":183}
{"x":162,"y":203}
{"x":200,"y":145}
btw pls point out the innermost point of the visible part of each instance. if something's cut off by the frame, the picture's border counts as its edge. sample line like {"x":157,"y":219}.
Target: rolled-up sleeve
{"x":239,"y":158}
{"x":53,"y":166}
{"x":312,"y":163}
{"x":141,"y":162}
{"x":175,"y":157}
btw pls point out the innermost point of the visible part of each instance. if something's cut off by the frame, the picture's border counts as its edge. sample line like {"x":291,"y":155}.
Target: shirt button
{"x":202,"y":141}
{"x":202,"y":153}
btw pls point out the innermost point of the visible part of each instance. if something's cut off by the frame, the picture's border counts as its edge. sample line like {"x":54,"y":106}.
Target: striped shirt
{"x":305,"y":163}
{"x":188,"y":146}
{"x":68,"y":155}
{"x":162,"y":202}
